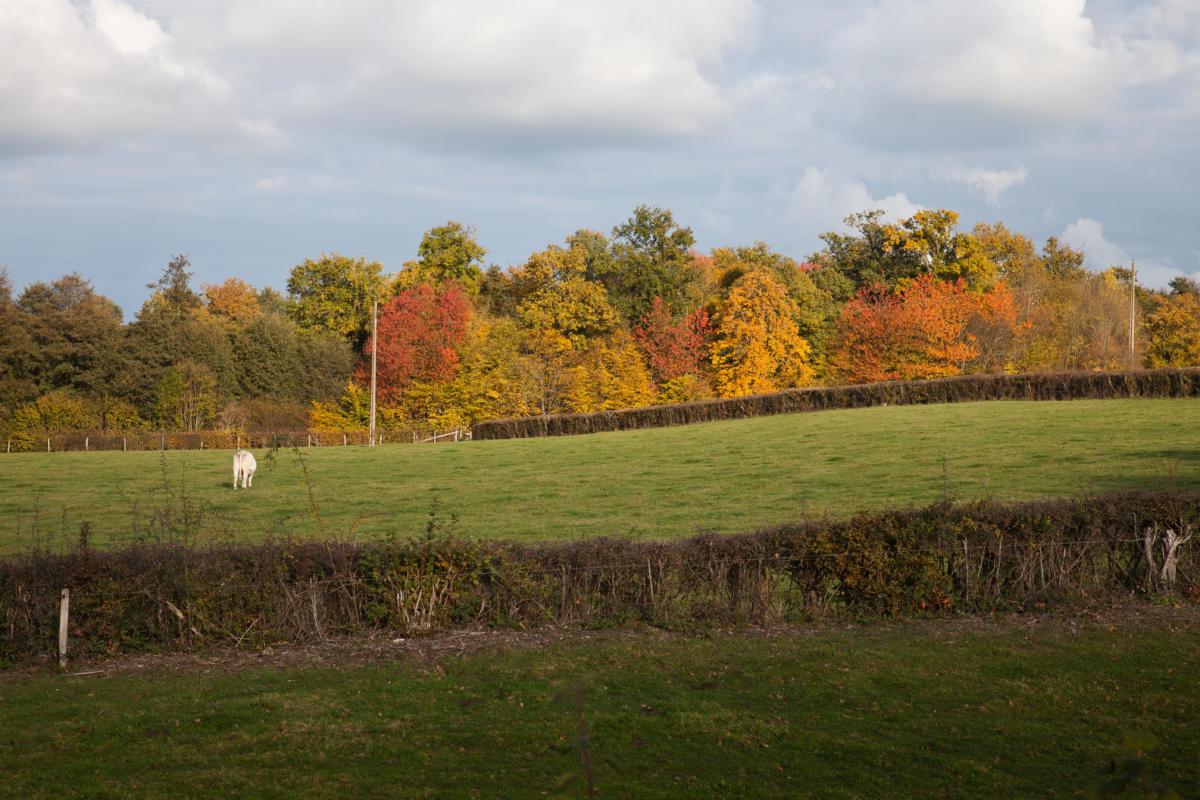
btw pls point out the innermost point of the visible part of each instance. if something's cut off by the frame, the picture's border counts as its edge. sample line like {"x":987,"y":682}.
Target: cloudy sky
{"x":251,"y":134}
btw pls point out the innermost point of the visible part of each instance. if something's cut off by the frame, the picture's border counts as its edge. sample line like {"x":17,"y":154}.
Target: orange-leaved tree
{"x":757,"y":345}
{"x":929,"y":329}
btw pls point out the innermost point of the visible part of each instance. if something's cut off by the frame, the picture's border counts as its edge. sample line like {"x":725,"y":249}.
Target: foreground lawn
{"x":1021,"y":708}
{"x":665,"y":482}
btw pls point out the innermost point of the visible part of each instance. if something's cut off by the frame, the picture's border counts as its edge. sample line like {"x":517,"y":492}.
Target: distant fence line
{"x":968,"y":388}
{"x":225,"y":440}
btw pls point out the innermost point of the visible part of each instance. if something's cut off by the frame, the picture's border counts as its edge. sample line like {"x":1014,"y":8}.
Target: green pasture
{"x":1022,"y":708}
{"x":663,"y":482}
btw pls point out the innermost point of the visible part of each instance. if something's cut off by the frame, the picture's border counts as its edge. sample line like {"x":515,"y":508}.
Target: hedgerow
{"x":944,"y":558}
{"x":962,"y":389}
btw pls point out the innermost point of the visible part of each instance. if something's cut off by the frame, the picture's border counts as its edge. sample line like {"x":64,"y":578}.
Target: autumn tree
{"x":1173,"y":332}
{"x":674,"y":347}
{"x":609,"y":376}
{"x":757,"y":346}
{"x":233,"y":301}
{"x":816,"y":308}
{"x":568,"y":314}
{"x":335,"y":293}
{"x":420,"y":331}
{"x":929,"y":329}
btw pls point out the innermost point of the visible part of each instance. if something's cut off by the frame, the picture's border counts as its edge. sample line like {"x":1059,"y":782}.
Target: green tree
{"x":174,"y":289}
{"x":17,"y":356}
{"x":1184,"y":285}
{"x":187,"y":397}
{"x":76,"y":335}
{"x":894,"y":254}
{"x":334,"y":293}
{"x":447,"y":253}
{"x":651,"y":258}
{"x":267,"y":351}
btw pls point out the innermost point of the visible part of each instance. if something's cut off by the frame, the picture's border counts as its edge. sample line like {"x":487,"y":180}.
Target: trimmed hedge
{"x":974,"y":557}
{"x":963,"y":389}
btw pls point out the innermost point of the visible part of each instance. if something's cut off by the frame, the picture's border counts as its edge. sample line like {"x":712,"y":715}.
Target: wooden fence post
{"x":124,"y":445}
{"x":309,"y":440}
{"x":64,"y":617}
{"x":86,"y":441}
{"x":162,"y":443}
{"x":343,"y":440}
{"x":47,"y":444}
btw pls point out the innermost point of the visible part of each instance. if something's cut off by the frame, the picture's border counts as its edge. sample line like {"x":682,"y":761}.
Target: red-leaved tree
{"x":420,"y":332}
{"x":673,"y":348}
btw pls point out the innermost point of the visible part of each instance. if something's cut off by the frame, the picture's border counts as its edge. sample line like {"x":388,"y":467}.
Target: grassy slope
{"x":724,"y":476}
{"x":994,"y":710}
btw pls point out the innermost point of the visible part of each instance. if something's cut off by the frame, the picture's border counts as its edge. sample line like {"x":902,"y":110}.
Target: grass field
{"x":664,"y":482}
{"x":1025,"y":707}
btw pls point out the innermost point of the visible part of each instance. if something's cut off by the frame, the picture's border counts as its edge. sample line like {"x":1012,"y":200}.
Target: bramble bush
{"x":943,"y":558}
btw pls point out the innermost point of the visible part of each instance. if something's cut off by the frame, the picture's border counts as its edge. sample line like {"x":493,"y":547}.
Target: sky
{"x":252,"y":134}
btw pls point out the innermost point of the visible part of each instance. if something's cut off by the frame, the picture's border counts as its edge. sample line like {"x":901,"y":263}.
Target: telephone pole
{"x":1132,"y":312}
{"x":374,"y":350}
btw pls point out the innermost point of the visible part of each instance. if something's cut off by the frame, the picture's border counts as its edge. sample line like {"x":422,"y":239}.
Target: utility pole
{"x":374,"y":350}
{"x":1132,"y":312}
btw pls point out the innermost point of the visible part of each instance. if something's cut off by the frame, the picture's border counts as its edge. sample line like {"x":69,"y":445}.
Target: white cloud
{"x":947,"y":67}
{"x":1100,"y":253}
{"x":298,"y":183}
{"x":991,"y":183}
{"x":71,"y":76}
{"x":482,"y":71}
{"x":820,"y":199}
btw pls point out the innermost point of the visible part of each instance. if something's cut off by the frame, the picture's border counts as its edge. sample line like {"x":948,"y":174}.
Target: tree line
{"x":601,"y":321}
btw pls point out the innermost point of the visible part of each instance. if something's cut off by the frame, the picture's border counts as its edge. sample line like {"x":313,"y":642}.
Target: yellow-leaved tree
{"x":1173,"y":333}
{"x":611,"y":375}
{"x":758,"y":347}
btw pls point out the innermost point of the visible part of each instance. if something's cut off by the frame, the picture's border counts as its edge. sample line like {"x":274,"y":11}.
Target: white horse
{"x":243,"y":468}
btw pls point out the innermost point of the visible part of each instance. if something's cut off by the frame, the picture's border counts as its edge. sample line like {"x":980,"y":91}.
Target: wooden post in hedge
{"x":64,"y":617}
{"x":86,"y":441}
{"x":124,"y":445}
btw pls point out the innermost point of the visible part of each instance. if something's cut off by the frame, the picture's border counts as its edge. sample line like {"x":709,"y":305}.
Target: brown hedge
{"x":943,"y":558}
{"x":963,"y":389}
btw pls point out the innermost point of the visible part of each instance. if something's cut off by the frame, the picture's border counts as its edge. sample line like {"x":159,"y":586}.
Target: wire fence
{"x":141,"y":441}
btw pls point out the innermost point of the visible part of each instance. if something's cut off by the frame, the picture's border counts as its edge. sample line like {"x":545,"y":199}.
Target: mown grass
{"x":664,"y":482}
{"x":957,"y":710}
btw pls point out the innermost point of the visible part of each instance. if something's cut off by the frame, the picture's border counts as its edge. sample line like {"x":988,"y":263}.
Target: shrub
{"x":944,"y":558}
{"x":963,"y":389}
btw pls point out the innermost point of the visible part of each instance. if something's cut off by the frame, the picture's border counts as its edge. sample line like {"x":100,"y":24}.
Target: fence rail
{"x":224,"y":440}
